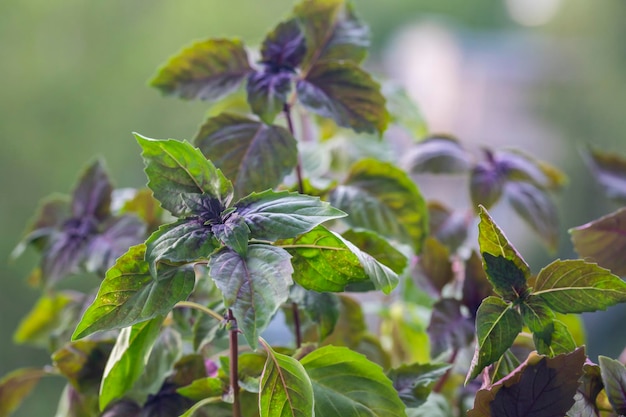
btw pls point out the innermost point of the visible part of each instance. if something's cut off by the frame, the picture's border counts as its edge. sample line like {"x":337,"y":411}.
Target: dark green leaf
{"x":83,"y":363}
{"x":92,"y":195}
{"x":508,"y":280}
{"x":486,"y":184}
{"x":493,"y":241}
{"x":188,"y":369}
{"x":614,"y":380}
{"x":284,"y":47}
{"x":603,"y":241}
{"x":333,"y":32}
{"x":438,"y":155}
{"x":129,"y":294}
{"x":184,"y":241}
{"x":203,"y":388}
{"x":497,"y":326}
{"x":128,"y":359}
{"x":255,"y":156}
{"x":504,"y":366}
{"x":206,"y":70}
{"x":345,"y":383}
{"x":282,"y":215}
{"x":378,"y":247}
{"x":537,"y":316}
{"x":537,"y":209}
{"x":254,"y":286}
{"x":322,"y":308}
{"x":435,"y":265}
{"x":268,"y":93}
{"x":415,"y":382}
{"x":15,"y":387}
{"x":540,"y":387}
{"x":555,"y":342}
{"x":345,"y":93}
{"x":178,"y":172}
{"x":206,"y":328}
{"x":610,"y":171}
{"x":380,"y":197}
{"x":37,"y":327}
{"x":476,"y":286}
{"x":350,"y":327}
{"x":234,"y":233}
{"x":449,"y":328}
{"x":576,"y":286}
{"x":285,"y":388}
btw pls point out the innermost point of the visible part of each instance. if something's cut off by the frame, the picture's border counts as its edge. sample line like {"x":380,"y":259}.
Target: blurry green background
{"x":73,"y":86}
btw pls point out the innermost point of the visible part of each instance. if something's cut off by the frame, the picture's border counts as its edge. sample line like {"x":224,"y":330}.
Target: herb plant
{"x":264,"y":221}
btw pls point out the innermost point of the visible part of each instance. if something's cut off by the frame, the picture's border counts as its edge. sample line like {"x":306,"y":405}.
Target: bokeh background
{"x":547,"y":76}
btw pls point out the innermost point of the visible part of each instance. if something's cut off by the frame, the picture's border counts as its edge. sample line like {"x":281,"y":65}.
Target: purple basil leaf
{"x":284,"y":47}
{"x":449,"y":328}
{"x":66,"y":250}
{"x":610,"y":171}
{"x":267,"y":92}
{"x":486,"y":183}
{"x":476,"y":286}
{"x":521,"y":167}
{"x":166,"y":403}
{"x":536,"y":208}
{"x":447,"y":226}
{"x":118,"y":235}
{"x":92,"y":195}
{"x":123,"y":408}
{"x":614,"y":379}
{"x":588,"y":389}
{"x":438,"y":155}
{"x":234,"y":233}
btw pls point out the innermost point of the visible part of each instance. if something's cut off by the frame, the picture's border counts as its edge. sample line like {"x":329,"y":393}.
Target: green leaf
{"x":350,"y":327}
{"x":206,"y":70}
{"x":285,"y":388}
{"x":576,"y":286}
{"x":555,"y":342}
{"x":83,"y":362}
{"x":254,"y":286}
{"x":254,"y":155}
{"x":493,"y":241}
{"x":234,"y":233}
{"x":184,"y":241}
{"x":497,"y":326}
{"x":345,"y":93}
{"x":378,"y":247}
{"x":381,"y":197}
{"x":325,"y":262}
{"x":539,"y":387}
{"x":504,"y":366}
{"x":537,"y":209}
{"x":129,"y":294}
{"x":203,"y":388}
{"x":614,"y":379}
{"x":603,"y":241}
{"x":415,"y":382}
{"x":282,"y":215}
{"x":537,"y":315}
{"x":128,"y":359}
{"x":609,"y":169}
{"x":508,"y":280}
{"x":333,"y":32}
{"x":146,"y":207}
{"x":322,"y":308}
{"x":37,"y":327}
{"x":438,"y":155}
{"x":345,"y":383}
{"x":177,"y":172}
{"x":15,"y":387}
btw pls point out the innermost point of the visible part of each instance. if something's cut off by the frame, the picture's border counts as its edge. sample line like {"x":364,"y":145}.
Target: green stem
{"x":234,"y":362}
{"x":200,"y":307}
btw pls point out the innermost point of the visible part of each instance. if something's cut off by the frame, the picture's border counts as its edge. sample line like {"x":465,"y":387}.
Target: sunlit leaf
{"x":507,"y":279}
{"x":177,"y":172}
{"x":129,"y":294}
{"x":603,"y":241}
{"x":344,"y":92}
{"x":537,"y":315}
{"x":378,"y":247}
{"x":203,"y":388}
{"x":576,"y":286}
{"x":380,"y":197}
{"x":285,"y":388}
{"x":333,"y":32}
{"x":254,"y":286}
{"x":128,"y":359}
{"x":282,"y":215}
{"x":345,"y":383}
{"x":414,"y":382}
{"x":206,"y":70}
{"x":504,"y":366}
{"x":16,"y":386}
{"x":254,"y":155}
{"x":449,"y":328}
{"x":554,"y":341}
{"x":540,"y":387}
{"x":536,"y":208}
{"x":610,"y":171}
{"x":146,"y":207}
{"x":83,"y":362}
{"x":45,"y":316}
{"x":438,"y":155}
{"x":497,"y":326}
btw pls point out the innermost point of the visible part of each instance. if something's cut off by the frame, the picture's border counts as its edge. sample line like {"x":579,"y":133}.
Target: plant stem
{"x":234,"y":362}
{"x":287,"y":112}
{"x":296,"y":324}
{"x":444,"y":378}
{"x":200,"y":307}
